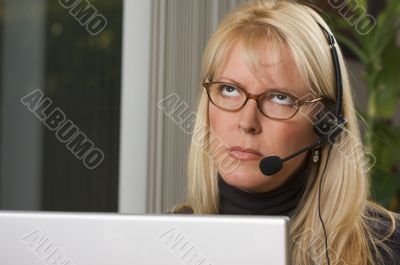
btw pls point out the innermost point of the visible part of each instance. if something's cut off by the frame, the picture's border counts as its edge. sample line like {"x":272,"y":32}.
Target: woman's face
{"x":250,"y":129}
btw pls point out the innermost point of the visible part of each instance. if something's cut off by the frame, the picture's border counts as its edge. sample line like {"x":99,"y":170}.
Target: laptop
{"x":58,"y":238}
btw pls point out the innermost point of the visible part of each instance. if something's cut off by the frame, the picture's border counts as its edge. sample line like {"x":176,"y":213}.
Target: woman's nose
{"x":249,"y":118}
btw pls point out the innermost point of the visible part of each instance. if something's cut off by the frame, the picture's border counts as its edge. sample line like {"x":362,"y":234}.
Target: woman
{"x":280,"y":50}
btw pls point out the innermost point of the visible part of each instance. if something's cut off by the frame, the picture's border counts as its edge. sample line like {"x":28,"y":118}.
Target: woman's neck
{"x":281,"y":201}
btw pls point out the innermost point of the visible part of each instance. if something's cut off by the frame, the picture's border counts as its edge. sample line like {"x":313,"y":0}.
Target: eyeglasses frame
{"x":298,"y":103}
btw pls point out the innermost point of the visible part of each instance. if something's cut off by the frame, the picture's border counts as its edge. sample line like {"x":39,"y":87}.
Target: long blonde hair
{"x":348,"y":215}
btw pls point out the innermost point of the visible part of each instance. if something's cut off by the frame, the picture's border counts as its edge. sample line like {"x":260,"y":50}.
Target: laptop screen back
{"x":38,"y":238}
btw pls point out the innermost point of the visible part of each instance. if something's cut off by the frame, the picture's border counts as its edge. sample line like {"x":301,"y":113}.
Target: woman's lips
{"x":245,"y":154}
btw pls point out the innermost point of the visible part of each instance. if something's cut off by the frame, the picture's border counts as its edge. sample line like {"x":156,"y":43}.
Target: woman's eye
{"x":282,"y":99}
{"x":229,"y":91}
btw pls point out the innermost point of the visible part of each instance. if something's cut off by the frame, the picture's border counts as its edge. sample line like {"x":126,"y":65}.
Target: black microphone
{"x":272,"y":164}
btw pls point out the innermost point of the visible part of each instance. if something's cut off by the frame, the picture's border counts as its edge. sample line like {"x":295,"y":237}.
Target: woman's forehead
{"x":261,"y":67}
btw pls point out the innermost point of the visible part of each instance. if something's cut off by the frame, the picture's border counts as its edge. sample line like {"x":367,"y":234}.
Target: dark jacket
{"x":393,"y":242}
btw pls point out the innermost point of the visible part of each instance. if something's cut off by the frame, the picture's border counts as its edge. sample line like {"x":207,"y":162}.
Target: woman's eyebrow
{"x":232,"y":81}
{"x":272,"y":89}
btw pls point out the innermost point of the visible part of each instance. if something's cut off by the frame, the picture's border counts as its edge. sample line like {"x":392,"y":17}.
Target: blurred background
{"x":106,"y":64}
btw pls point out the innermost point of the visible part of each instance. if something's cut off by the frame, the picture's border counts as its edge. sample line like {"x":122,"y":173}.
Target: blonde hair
{"x":348,"y":215}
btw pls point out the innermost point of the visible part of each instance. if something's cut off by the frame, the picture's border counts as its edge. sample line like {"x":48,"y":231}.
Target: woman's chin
{"x":245,"y":179}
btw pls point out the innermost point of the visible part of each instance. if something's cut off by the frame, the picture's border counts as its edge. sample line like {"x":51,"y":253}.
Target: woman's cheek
{"x":221,"y":137}
{"x":220,"y":123}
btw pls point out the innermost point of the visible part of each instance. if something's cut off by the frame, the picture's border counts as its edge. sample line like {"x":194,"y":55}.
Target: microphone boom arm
{"x":318,"y":143}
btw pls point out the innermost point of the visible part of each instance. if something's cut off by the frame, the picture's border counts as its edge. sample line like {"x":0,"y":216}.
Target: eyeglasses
{"x":272,"y":104}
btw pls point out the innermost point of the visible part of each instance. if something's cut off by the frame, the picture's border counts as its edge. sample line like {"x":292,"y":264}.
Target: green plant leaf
{"x":342,"y":39}
{"x":385,"y":187}
{"x":384,"y":30}
{"x":363,"y":3}
{"x":386,"y":102}
{"x":388,"y":82}
{"x":386,"y":145}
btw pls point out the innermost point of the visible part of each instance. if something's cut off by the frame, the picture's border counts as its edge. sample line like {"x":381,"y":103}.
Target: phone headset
{"x":327,"y":128}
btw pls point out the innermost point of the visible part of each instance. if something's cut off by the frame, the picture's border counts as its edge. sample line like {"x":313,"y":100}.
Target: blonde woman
{"x":270,"y":76}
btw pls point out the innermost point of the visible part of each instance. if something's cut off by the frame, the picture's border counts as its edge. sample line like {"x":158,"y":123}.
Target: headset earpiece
{"x":323,"y":127}
{"x":330,"y":126}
